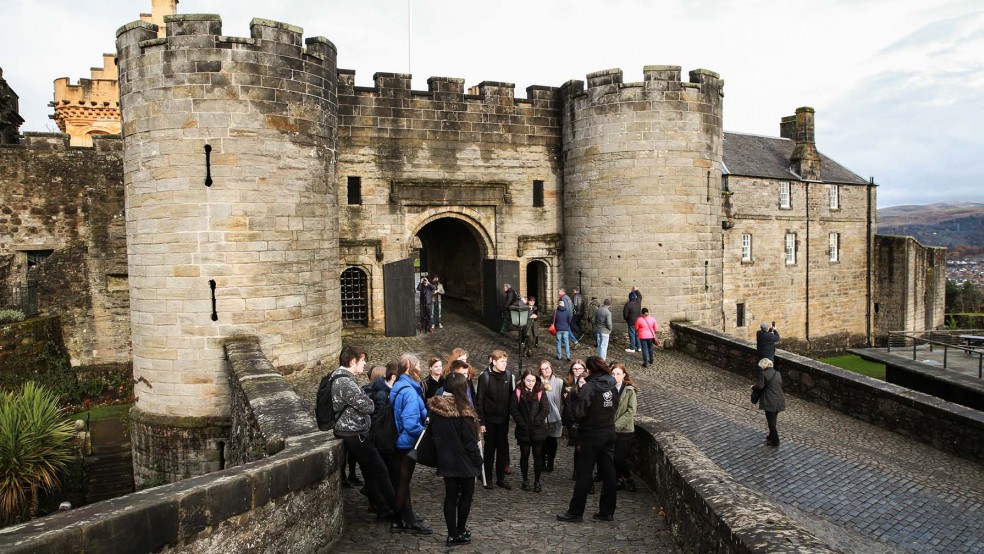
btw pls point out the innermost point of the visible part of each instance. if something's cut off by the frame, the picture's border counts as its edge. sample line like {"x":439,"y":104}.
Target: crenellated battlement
{"x":43,"y":141}
{"x":660,"y":78}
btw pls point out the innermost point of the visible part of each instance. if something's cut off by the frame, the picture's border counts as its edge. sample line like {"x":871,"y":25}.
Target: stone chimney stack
{"x":805,"y":160}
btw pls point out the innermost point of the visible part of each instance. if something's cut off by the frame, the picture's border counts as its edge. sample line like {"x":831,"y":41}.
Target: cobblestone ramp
{"x":856,"y":486}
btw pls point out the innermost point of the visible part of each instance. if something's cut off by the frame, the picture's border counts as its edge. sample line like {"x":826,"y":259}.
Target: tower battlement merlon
{"x":709,"y":81}
{"x":605,"y":78}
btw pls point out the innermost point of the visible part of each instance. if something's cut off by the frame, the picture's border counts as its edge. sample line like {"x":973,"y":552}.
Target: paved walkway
{"x":858,"y":487}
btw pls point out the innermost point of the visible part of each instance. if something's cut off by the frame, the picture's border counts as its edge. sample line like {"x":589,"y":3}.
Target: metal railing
{"x":20,"y":297}
{"x":946,"y":339}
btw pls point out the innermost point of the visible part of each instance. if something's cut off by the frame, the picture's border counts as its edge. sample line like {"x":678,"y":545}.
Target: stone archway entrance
{"x":536,"y":282}
{"x":453,"y":249}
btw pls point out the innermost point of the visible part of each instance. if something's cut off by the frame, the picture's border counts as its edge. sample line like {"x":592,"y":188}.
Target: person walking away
{"x":353,"y":417}
{"x":765,"y":341}
{"x":646,"y":329}
{"x":426,"y":291}
{"x":553,"y":387}
{"x":438,"y":301}
{"x":562,"y":322}
{"x":624,"y":426}
{"x":459,"y":461}
{"x":578,"y":305}
{"x":594,"y":412}
{"x":410,"y":413}
{"x":495,"y":386}
{"x":569,"y":304}
{"x":530,"y":407}
{"x":602,"y":323}
{"x":433,"y":380}
{"x":771,"y":398}
{"x":630,"y":313}
{"x":508,"y":298}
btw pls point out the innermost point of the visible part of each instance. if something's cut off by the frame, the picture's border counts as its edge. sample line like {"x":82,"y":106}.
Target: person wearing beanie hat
{"x":765,"y":341}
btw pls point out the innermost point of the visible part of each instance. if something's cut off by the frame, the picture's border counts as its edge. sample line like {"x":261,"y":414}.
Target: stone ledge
{"x":708,"y":510}
{"x":183,"y":513}
{"x":936,"y":381}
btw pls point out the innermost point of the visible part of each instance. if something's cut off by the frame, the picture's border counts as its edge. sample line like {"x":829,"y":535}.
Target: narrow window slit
{"x":208,"y":169}
{"x":211,"y":285}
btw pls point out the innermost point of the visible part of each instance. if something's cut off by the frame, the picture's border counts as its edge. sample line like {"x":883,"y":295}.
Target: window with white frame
{"x":834,"y":192}
{"x":784,"y":201}
{"x":746,"y":247}
{"x":790,"y":248}
{"x":834,"y":242}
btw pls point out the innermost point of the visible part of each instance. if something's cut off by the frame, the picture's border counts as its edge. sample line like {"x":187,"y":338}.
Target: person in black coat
{"x":771,"y":398}
{"x":765,"y":341}
{"x":530,"y":407}
{"x":426,"y":290}
{"x":459,"y":461}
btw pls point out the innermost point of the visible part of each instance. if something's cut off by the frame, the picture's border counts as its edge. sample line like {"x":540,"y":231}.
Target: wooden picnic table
{"x":971,"y":342}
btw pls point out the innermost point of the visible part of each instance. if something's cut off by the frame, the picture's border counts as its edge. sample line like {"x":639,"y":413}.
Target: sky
{"x":897,"y":85}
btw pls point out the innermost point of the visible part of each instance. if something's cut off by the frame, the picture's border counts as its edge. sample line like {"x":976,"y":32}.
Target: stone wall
{"x":69,"y":201}
{"x":290,"y":502}
{"x":706,"y":508}
{"x":642,"y":173}
{"x":946,"y":426}
{"x":832,"y":293}
{"x":469,"y":160}
{"x":910,"y":289}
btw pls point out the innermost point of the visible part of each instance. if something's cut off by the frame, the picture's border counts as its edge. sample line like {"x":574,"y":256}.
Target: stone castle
{"x":257,"y":191}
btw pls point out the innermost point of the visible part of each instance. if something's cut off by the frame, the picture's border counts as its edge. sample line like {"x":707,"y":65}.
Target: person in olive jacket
{"x":530,"y":407}
{"x":624,"y":426}
{"x":459,"y":461}
{"x":771,"y":398}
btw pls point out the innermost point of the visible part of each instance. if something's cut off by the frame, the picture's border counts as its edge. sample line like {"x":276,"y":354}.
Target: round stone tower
{"x":229,"y":171}
{"x":642,"y":202}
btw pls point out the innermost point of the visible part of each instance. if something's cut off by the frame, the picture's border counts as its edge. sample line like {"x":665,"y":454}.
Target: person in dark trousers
{"x":508,"y":298}
{"x":630,"y":313}
{"x":353,"y":411}
{"x":594,"y":411}
{"x":765,"y":341}
{"x":495,"y":386}
{"x":624,"y":426}
{"x":569,"y":304}
{"x":426,"y":290}
{"x":433,"y":380}
{"x":530,"y":407}
{"x":771,"y":398}
{"x":410,"y":414}
{"x":577,"y":299}
{"x":459,"y":461}
{"x":531,"y":335}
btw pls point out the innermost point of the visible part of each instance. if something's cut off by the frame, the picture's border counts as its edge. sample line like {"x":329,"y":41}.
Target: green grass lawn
{"x":104,"y":412}
{"x":857,"y":365}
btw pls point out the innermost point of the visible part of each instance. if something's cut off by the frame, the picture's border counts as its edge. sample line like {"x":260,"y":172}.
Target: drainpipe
{"x":867,"y":297}
{"x":808,"y":266}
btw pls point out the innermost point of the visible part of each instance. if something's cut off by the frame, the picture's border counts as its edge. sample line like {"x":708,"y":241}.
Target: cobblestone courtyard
{"x":857,"y":487}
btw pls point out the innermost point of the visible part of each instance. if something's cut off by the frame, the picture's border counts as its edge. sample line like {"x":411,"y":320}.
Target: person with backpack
{"x":647,"y":328}
{"x":382,"y":432}
{"x":630,"y":313}
{"x":495,"y":386}
{"x":530,"y":407}
{"x":347,"y":410}
{"x":459,"y":461}
{"x":594,"y":411}
{"x":410,"y":413}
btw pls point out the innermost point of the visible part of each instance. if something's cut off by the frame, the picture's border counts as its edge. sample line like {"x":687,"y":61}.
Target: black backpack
{"x":383,"y":433}
{"x":324,"y":412}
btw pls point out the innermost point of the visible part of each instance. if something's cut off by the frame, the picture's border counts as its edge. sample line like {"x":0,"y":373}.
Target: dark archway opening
{"x":536,"y":281}
{"x":451,"y":249}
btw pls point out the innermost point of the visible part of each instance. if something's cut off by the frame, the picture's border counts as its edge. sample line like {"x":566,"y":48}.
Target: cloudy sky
{"x":898,"y":85}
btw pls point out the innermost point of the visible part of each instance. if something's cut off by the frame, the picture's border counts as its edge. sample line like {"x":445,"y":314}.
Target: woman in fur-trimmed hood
{"x":455,"y":426}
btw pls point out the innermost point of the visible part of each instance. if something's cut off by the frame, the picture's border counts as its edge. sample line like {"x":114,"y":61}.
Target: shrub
{"x":11,"y":316}
{"x":35,"y":449}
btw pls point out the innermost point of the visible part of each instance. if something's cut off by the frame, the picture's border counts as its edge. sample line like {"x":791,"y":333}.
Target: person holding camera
{"x":765,"y":341}
{"x":426,"y":290}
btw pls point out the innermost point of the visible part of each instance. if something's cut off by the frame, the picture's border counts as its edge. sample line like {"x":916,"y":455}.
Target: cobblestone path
{"x":858,"y":487}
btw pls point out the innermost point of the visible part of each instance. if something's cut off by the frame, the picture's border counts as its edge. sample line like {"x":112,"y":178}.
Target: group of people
{"x":469,"y":415}
{"x":431,"y":292}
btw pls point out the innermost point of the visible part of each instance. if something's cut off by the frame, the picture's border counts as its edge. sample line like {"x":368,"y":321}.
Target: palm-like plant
{"x":35,"y":448}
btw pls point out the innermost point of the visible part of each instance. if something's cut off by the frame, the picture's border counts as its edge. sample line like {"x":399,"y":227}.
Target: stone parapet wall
{"x":642,"y":175}
{"x":265,"y":409}
{"x":290,"y":502}
{"x":706,"y":508}
{"x":948,"y":427}
{"x":936,"y":381}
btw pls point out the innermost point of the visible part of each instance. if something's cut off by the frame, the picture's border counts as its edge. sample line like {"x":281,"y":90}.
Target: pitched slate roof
{"x":758,"y":156}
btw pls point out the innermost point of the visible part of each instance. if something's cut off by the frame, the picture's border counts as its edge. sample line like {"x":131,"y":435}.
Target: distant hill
{"x":947,"y":224}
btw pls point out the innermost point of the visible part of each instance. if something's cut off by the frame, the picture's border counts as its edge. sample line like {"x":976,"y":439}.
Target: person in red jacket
{"x":647,"y":328}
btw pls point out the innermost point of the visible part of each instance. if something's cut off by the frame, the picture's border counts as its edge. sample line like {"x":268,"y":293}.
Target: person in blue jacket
{"x":563,"y":319}
{"x":410,"y":413}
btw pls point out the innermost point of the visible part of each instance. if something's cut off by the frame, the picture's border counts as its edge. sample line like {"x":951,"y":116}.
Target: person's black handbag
{"x":756,"y":394}
{"x":424,"y":452}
